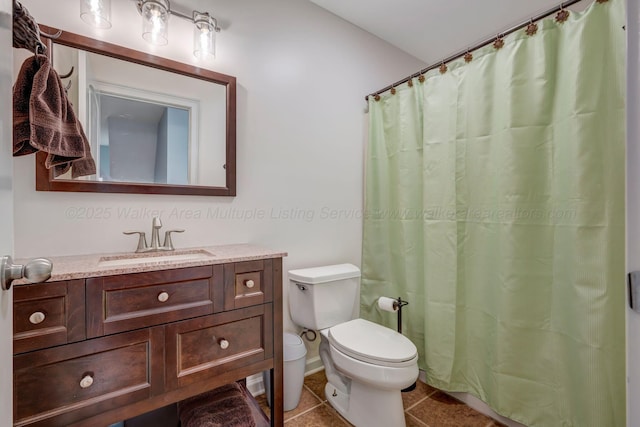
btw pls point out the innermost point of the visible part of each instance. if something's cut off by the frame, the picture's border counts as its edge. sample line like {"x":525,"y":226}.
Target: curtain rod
{"x":484,"y":43}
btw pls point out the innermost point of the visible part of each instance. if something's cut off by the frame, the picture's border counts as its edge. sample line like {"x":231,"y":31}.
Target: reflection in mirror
{"x":140,"y":141}
{"x":154,"y":125}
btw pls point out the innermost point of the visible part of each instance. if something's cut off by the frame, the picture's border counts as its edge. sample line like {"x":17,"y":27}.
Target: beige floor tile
{"x":334,"y":412}
{"x":429,"y":408}
{"x":442,"y":410}
{"x":322,"y":416}
{"x":262,"y":401}
{"x":421,"y":391}
{"x":315,"y":383}
{"x":412,"y":421}
{"x":307,"y":401}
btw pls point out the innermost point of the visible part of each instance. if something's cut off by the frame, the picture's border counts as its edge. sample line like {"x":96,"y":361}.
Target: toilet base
{"x":367,"y":407}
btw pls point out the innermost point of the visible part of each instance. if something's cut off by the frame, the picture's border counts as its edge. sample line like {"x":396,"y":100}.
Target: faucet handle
{"x":156,"y":223}
{"x":142,"y":240}
{"x":168,"y":244}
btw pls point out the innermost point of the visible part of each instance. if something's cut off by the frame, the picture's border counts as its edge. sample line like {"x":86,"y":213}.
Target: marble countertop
{"x":97,"y":265}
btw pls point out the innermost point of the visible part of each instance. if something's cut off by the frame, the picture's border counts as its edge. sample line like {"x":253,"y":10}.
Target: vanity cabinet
{"x":48,"y":314}
{"x":94,"y":351}
{"x":124,"y":302}
{"x":206,"y":347}
{"x":59,"y":385}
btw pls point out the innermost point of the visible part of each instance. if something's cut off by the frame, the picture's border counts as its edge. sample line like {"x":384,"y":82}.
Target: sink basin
{"x":153,"y":258}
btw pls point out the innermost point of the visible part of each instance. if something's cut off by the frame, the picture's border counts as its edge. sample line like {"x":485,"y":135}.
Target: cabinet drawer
{"x":202,"y":348}
{"x":247,"y":283}
{"x":47,"y":314}
{"x":72,"y":381}
{"x":127,"y":302}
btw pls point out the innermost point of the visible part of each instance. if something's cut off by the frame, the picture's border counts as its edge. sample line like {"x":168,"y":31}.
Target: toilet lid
{"x":370,"y":342}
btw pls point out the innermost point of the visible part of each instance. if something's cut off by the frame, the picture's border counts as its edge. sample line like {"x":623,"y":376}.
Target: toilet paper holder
{"x":398,"y":304}
{"x":393,"y":304}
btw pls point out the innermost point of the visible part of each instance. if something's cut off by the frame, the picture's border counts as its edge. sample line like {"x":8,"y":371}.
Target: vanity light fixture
{"x":155,"y":23}
{"x":96,"y":13}
{"x":155,"y":20}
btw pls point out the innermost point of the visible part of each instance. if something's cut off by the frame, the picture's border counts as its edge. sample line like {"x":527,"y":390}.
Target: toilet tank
{"x":322,"y":297}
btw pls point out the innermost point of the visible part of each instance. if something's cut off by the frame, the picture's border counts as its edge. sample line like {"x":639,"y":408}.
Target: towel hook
{"x":51,"y":36}
{"x":66,"y":76}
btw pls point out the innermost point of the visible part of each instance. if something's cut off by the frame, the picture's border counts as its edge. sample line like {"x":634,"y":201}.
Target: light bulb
{"x":155,"y":17}
{"x":96,"y":13}
{"x":204,"y":36}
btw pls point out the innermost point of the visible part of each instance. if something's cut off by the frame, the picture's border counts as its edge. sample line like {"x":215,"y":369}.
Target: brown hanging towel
{"x":44,"y":120}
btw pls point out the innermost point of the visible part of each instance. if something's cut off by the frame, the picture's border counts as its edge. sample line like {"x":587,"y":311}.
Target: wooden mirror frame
{"x":44,"y":176}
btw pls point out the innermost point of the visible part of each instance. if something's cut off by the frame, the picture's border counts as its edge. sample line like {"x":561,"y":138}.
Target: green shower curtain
{"x":494,"y":204}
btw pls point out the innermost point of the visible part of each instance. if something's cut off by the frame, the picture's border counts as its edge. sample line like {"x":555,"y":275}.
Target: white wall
{"x":633,"y":205}
{"x":302,"y":77}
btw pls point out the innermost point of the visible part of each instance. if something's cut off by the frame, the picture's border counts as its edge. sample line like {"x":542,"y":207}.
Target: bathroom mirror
{"x":155,"y":126}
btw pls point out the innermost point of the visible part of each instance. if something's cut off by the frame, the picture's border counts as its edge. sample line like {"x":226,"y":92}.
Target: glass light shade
{"x":155,"y":21}
{"x":204,"y":36}
{"x":96,"y":13}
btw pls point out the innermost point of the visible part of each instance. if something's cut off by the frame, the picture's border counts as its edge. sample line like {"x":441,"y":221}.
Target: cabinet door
{"x":59,"y":385}
{"x":130,"y":301}
{"x":48,"y":314}
{"x":202,"y":348}
{"x":248,"y":283}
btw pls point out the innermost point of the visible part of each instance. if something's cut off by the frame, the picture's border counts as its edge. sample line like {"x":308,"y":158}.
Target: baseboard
{"x":313,"y":365}
{"x":255,"y":384}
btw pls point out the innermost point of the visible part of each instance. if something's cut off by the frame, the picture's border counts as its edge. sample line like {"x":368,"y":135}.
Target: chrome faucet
{"x":156,"y":225}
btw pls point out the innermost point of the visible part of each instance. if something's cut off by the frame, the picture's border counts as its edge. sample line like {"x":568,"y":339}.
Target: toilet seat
{"x":372,"y":343}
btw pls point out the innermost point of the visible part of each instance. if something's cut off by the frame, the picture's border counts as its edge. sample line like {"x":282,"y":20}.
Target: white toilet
{"x":366,"y":364}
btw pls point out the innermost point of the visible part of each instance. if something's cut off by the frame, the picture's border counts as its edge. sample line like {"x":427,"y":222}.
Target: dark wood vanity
{"x":97,"y":350}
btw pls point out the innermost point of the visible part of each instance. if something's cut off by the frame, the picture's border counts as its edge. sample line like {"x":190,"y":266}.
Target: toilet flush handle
{"x":301,"y":287}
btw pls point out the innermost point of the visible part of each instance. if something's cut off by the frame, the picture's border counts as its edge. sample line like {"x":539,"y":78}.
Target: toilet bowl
{"x":366,"y":364}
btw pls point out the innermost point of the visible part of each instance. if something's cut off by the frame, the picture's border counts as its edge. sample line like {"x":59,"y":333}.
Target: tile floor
{"x":424,"y":407}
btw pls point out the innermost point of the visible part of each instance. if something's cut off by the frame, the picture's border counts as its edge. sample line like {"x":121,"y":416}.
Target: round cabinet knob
{"x":37,"y":317}
{"x":224,"y":344}
{"x":249,"y":283}
{"x":86,"y":381}
{"x":163,"y":297}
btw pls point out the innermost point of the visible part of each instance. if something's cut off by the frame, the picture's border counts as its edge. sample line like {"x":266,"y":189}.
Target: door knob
{"x":36,"y":270}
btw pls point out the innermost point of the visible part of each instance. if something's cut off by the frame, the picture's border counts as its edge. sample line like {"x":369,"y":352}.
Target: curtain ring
{"x":377,"y":97}
{"x":443,"y":68}
{"x":562,"y":15}
{"x":410,"y":82}
{"x":468,"y":57}
{"x":532,"y":28}
{"x":393,"y":90}
{"x":499,"y":43}
{"x":421,"y":78}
